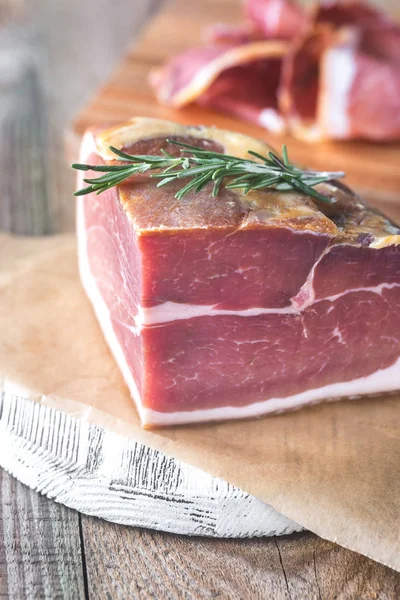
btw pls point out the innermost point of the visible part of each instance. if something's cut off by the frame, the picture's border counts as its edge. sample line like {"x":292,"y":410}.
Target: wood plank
{"x":132,"y":563}
{"x":40,"y":547}
{"x":371,"y":168}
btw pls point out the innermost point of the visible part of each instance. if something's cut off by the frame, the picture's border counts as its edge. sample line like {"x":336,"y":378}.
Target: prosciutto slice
{"x":264,"y":19}
{"x":360,"y":14}
{"x":342,"y":79}
{"x":279,"y":19}
{"x":236,"y":306}
{"x":242,"y":80}
{"x":219,"y":33}
{"x":336,"y":77}
{"x":343,"y":83}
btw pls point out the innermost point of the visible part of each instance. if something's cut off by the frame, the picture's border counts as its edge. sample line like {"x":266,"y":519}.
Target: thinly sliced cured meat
{"x":338,"y":82}
{"x":242,"y":80}
{"x":237,"y":306}
{"x":342,"y":79}
{"x":276,"y":19}
{"x":220,"y":33}
{"x":338,"y":75}
{"x":299,"y":87}
{"x":248,"y":92}
{"x":264,"y":19}
{"x":360,"y":14}
{"x":343,"y":83}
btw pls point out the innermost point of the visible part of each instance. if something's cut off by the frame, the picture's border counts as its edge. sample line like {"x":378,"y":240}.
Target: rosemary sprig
{"x":201,"y":167}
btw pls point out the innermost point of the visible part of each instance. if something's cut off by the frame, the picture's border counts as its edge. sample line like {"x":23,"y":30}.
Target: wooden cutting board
{"x":373,"y":169}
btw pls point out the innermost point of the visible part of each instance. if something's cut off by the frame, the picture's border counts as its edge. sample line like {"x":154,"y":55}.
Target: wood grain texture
{"x":40,"y":557}
{"x":104,"y":474}
{"x":40,"y":549}
{"x":370,"y":168}
{"x":133,"y":563}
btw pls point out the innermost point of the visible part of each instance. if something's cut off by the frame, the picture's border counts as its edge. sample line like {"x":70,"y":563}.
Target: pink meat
{"x":379,"y":81}
{"x":282,"y":19}
{"x":245,"y":85}
{"x":270,"y":356}
{"x":219,"y":33}
{"x":337,"y":76}
{"x":264,"y":19}
{"x":343,"y":84}
{"x":238,"y":91}
{"x":360,"y":14}
{"x":217,"y":308}
{"x":182,"y":69}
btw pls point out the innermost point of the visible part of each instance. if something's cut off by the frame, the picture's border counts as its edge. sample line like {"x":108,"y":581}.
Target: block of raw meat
{"x":236,"y":306}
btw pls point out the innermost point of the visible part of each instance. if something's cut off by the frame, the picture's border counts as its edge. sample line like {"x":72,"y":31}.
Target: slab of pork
{"x":236,"y":306}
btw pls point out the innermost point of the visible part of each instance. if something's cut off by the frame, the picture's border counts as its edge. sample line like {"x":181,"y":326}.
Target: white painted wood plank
{"x":104,"y":474}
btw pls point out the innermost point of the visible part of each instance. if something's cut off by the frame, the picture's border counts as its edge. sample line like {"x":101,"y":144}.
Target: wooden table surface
{"x":53,"y":55}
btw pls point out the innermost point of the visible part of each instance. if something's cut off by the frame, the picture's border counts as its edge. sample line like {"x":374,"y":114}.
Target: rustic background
{"x":53,"y":56}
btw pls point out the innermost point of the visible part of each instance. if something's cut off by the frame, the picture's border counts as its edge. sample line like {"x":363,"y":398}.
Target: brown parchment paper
{"x":334,"y":468}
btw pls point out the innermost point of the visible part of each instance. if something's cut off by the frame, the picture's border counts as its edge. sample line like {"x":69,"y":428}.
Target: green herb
{"x":201,"y":167}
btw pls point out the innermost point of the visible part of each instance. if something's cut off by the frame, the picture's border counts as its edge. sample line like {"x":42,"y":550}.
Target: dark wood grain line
{"x":321,"y":570}
{"x":283,"y":569}
{"x":134,"y":563}
{"x":84,"y":566}
{"x":316,"y":577}
{"x":40,"y":549}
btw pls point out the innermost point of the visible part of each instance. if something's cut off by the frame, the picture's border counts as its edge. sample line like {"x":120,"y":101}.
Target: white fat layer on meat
{"x":173,"y":311}
{"x":306,"y":294}
{"x":339,"y":70}
{"x":384,"y":380}
{"x":271,"y":120}
{"x":92,"y":291}
{"x":378,"y":289}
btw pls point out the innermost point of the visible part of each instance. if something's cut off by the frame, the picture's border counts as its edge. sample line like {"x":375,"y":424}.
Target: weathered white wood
{"x":101,"y":473}
{"x":40,"y":546}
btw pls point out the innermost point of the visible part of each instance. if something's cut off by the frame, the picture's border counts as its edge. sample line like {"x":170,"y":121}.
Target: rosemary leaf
{"x":201,"y":167}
